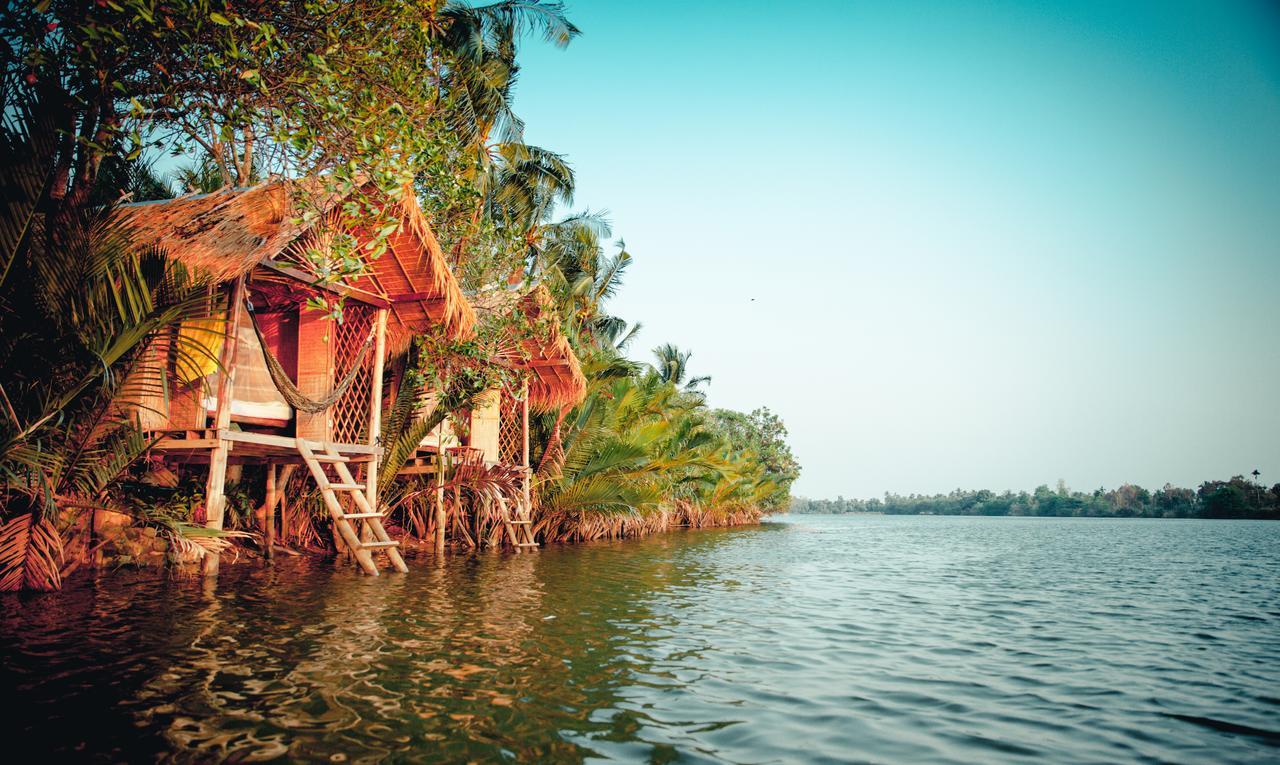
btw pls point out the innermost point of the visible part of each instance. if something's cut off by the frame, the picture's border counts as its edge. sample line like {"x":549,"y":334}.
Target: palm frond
{"x":31,"y":554}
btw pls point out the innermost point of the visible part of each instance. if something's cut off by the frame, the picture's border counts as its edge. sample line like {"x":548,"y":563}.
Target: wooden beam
{"x":395,"y":257}
{"x":277,"y":478}
{"x":185,"y":443}
{"x":311,"y":280}
{"x":215,"y":499}
{"x":267,"y":439}
{"x":417,"y":297}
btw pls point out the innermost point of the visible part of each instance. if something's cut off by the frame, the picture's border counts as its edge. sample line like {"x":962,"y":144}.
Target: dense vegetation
{"x":1236,"y":498}
{"x":377,"y":98}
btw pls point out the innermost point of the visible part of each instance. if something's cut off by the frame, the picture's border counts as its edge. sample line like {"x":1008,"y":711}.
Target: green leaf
{"x":219,"y":19}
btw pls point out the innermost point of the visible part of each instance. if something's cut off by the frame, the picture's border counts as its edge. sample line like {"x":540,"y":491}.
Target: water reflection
{"x":899,"y":640}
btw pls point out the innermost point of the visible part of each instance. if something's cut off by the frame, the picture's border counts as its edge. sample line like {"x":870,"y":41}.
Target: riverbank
{"x":117,"y":543}
{"x":1238,"y":497}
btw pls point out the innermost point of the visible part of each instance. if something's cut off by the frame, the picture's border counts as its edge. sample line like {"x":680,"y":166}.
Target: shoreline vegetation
{"x":1238,"y":498}
{"x":324,"y":126}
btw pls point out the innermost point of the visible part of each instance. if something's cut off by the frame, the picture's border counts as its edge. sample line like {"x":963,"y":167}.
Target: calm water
{"x":837,"y":639}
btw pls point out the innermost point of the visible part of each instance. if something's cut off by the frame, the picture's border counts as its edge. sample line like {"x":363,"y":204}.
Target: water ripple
{"x":856,"y":639}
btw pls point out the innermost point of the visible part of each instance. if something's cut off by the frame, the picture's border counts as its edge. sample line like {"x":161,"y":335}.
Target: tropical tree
{"x":673,"y":367}
{"x":642,"y":451}
{"x":77,"y":319}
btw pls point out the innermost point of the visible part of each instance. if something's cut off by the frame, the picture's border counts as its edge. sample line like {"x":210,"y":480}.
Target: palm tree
{"x":673,"y":367}
{"x":77,"y":318}
{"x":478,"y":48}
{"x":79,"y":306}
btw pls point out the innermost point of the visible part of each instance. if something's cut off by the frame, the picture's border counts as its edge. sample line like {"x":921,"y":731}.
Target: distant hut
{"x":495,"y":429}
{"x":299,"y":388}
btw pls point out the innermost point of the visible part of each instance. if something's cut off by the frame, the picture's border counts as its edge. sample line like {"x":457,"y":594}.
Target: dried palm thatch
{"x":590,"y":527}
{"x":192,"y":543}
{"x":556,"y":380}
{"x":420,"y":262}
{"x":699,"y":516}
{"x":229,"y":232}
{"x":479,"y":500}
{"x":225,"y":233}
{"x":494,"y":496}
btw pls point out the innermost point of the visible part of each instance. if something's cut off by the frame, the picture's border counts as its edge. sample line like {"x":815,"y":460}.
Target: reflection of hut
{"x":302,"y":385}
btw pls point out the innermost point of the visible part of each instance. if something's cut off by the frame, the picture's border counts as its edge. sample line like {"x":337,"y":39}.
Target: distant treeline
{"x":1237,"y":498}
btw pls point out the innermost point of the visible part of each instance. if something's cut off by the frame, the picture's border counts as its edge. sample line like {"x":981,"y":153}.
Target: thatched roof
{"x":229,"y":232}
{"x":557,"y":379}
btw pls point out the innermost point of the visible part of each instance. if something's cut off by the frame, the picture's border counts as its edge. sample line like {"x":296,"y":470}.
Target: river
{"x":806,"y":639}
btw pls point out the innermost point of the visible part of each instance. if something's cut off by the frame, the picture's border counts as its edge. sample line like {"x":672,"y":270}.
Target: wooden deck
{"x":424,"y":461}
{"x":196,"y":446}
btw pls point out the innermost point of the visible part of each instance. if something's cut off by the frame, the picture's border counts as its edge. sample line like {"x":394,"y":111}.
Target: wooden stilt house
{"x":293,"y":386}
{"x":494,"y":432}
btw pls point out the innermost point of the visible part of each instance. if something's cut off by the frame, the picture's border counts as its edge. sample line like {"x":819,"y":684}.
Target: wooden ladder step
{"x":528,"y":544}
{"x":330,"y":458}
{"x":391,"y":543}
{"x":346,"y":486}
{"x":360,"y":516}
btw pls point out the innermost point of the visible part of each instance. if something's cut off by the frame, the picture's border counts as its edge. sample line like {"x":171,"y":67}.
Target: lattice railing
{"x":510,"y":435}
{"x":350,"y":416}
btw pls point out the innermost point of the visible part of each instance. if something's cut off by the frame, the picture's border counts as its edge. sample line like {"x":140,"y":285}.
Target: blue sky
{"x":951,"y":244}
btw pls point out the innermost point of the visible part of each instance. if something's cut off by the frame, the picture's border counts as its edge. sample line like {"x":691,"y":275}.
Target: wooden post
{"x":524,"y":433}
{"x":440,"y":491}
{"x":270,"y":516}
{"x":215,"y":499}
{"x":282,"y":481}
{"x":277,"y":477}
{"x":375,"y":406}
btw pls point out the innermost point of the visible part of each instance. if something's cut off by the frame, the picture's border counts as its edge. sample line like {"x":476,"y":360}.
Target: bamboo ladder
{"x":515,"y":516}
{"x":518,"y":524}
{"x":525,"y":504}
{"x":368,"y":516}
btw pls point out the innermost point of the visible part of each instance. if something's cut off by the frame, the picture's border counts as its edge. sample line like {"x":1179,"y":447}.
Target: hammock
{"x":296,"y":398}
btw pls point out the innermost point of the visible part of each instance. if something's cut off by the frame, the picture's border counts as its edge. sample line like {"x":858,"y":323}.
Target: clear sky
{"x":980,"y":245}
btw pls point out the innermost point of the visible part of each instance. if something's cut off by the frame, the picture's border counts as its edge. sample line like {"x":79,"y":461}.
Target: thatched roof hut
{"x":496,"y":426}
{"x":258,"y":233}
{"x":229,"y":232}
{"x":292,"y":385}
{"x":556,"y":375}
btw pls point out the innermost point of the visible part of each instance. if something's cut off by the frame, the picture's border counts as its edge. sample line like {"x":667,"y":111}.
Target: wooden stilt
{"x":269,"y":519}
{"x":440,"y":516}
{"x":215,"y":499}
